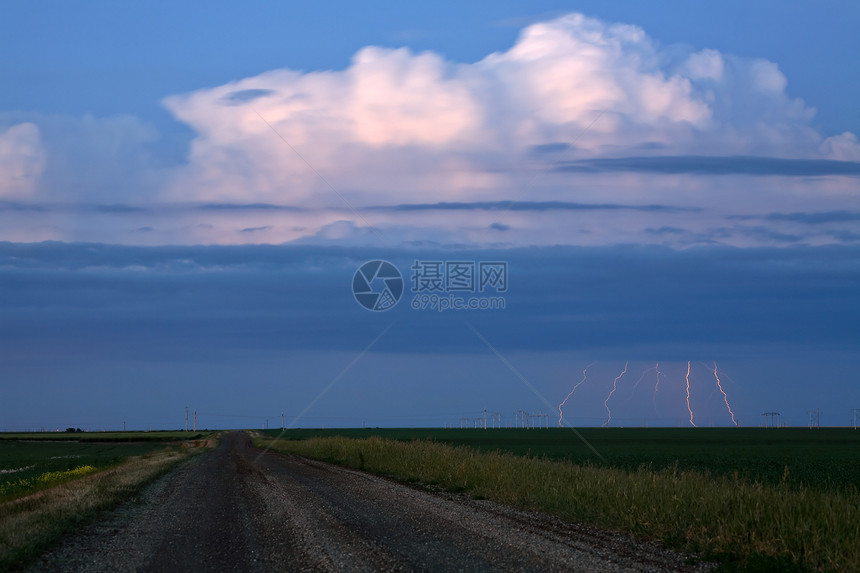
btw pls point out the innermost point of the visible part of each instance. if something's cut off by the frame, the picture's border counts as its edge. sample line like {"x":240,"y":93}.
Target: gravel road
{"x":238,"y":509}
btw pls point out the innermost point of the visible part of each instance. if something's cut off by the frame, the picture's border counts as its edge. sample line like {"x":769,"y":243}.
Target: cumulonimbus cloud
{"x":578,"y":112}
{"x":404,"y":126}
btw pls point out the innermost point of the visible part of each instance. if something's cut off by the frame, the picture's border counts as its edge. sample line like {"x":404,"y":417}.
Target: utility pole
{"x":485,"y":418}
{"x":186,"y":418}
{"x":855,"y":416}
{"x":195,"y":420}
{"x":282,"y":421}
{"x":815,"y":418}
{"x":123,"y":426}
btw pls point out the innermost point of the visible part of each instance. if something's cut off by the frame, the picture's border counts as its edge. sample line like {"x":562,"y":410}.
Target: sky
{"x":652,"y":206}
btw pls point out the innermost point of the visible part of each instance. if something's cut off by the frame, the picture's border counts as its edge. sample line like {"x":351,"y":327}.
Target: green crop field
{"x":29,"y":462}
{"x":824,"y":458}
{"x":160,"y":436}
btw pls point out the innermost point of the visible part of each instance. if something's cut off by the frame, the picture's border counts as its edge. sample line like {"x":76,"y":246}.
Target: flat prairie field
{"x":157,"y":436}
{"x":33,"y":461}
{"x":819,"y":458}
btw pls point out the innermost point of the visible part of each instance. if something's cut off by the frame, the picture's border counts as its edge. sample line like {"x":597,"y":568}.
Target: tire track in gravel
{"x":238,"y":509}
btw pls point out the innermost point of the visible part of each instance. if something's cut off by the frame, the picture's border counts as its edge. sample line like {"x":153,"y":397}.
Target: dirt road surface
{"x":237,"y":508}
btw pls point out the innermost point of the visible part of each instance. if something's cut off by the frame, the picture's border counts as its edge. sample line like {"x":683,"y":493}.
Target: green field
{"x":169,"y":436}
{"x":826,"y":458}
{"x":29,"y":462}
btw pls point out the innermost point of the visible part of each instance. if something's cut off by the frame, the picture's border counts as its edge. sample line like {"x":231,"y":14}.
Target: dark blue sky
{"x":253,"y":330}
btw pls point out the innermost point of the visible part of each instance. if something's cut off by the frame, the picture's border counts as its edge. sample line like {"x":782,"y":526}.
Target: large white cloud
{"x":577,"y":111}
{"x":414,"y":127}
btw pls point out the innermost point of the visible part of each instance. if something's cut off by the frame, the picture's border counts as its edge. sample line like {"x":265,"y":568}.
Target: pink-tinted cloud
{"x":22,"y":160}
{"x":577,"y":110}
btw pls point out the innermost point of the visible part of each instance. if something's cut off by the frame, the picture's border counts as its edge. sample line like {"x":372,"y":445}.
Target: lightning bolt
{"x":688,"y":395}
{"x":584,"y":373}
{"x":723,"y":392}
{"x":657,"y":384}
{"x":611,"y":392}
{"x":644,"y":372}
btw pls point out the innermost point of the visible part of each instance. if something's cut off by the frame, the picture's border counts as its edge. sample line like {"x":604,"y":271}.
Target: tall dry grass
{"x":730,"y":516}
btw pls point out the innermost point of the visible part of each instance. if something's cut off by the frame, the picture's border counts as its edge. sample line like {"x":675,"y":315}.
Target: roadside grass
{"x":65,"y":500}
{"x":821,"y":458}
{"x":746,"y":524}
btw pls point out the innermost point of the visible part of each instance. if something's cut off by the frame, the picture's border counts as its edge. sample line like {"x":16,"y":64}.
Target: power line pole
{"x":186,"y":418}
{"x":485,"y":418}
{"x":282,"y":421}
{"x":855,"y":416}
{"x":195,"y":420}
{"x":814,"y":418}
{"x":770,"y":418}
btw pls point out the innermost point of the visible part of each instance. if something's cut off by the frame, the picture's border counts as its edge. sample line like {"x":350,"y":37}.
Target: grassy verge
{"x":821,"y":458}
{"x":739,"y":520}
{"x":30,"y":523}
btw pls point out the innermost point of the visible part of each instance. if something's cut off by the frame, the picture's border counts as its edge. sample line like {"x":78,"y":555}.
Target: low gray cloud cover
{"x":706,"y":165}
{"x":64,"y":305}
